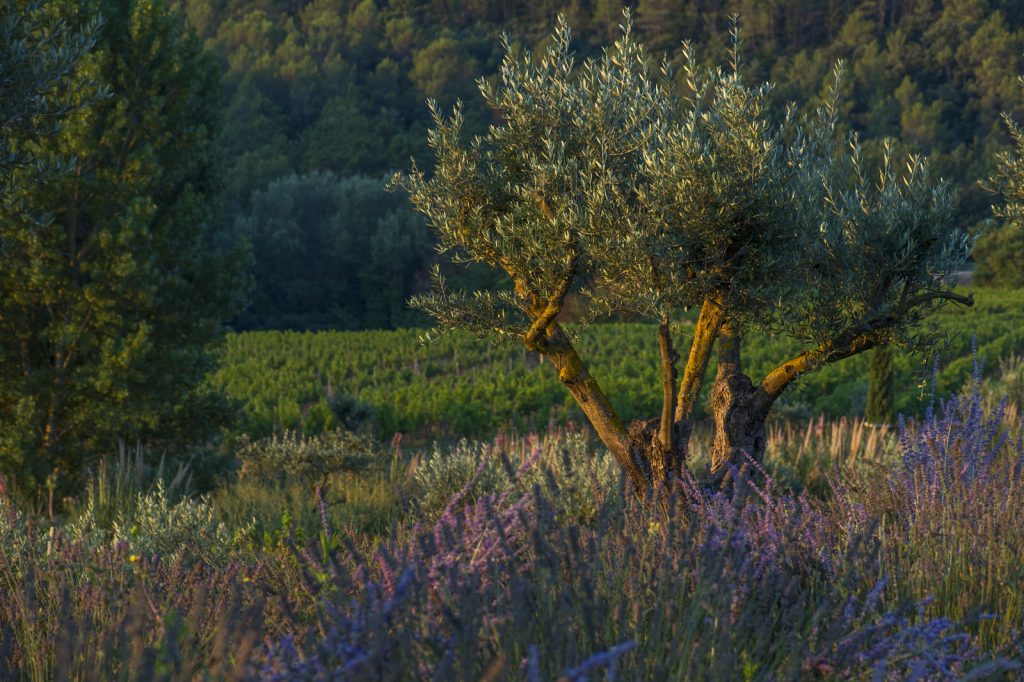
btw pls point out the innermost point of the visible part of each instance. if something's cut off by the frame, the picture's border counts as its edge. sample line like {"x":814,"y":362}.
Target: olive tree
{"x":1009,"y":176}
{"x":40,"y":82}
{"x":597,"y":182}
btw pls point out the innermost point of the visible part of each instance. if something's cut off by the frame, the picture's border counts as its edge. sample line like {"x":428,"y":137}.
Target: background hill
{"x":322,"y":99}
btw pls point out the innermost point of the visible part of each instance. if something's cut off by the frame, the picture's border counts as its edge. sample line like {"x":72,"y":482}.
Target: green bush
{"x":157,"y":526}
{"x":311,"y":460}
{"x":154,"y":524}
{"x":288,"y":483}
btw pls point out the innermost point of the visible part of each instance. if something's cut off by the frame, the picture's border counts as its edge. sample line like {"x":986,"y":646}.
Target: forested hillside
{"x":322,"y":99}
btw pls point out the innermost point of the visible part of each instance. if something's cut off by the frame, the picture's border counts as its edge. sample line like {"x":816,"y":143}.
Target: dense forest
{"x":322,"y":99}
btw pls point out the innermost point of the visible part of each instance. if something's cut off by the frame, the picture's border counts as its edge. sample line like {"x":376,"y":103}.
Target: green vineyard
{"x":461,"y":386}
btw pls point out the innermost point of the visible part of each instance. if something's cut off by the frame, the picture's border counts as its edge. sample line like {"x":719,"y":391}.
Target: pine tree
{"x":111,"y":304}
{"x":881,"y":387}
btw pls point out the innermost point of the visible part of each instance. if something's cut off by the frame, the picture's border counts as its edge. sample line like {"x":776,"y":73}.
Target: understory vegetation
{"x":852,"y":552}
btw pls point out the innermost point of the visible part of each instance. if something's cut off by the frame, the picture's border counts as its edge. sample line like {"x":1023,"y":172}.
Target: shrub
{"x":952,"y":510}
{"x":473,"y":468}
{"x":583,"y":476}
{"x":155,"y":526}
{"x":310,"y":459}
{"x":116,"y":487}
{"x":151,"y":524}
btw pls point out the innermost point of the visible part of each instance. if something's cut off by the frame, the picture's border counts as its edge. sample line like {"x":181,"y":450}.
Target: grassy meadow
{"x":482,"y":547}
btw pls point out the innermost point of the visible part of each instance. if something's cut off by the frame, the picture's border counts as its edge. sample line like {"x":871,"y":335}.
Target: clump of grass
{"x":806,"y":455}
{"x":115,"y":487}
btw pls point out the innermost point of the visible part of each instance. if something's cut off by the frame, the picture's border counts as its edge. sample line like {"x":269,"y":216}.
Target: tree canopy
{"x":599,"y":183}
{"x":39,"y":60}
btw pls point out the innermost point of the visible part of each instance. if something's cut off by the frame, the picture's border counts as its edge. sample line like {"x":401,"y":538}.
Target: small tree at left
{"x":115,"y":279}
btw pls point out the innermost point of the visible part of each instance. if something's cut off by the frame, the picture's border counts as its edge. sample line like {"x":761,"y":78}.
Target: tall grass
{"x":801,"y":454}
{"x":853,"y":553}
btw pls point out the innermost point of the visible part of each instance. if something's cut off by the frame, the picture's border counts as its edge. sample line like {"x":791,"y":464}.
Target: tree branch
{"x":543,"y":322}
{"x":669,"y":358}
{"x":967,"y":300}
{"x":704,"y":333}
{"x":852,"y":341}
{"x":596,"y":406}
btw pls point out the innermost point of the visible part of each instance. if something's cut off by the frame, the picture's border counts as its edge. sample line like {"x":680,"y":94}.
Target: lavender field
{"x":853,"y":553}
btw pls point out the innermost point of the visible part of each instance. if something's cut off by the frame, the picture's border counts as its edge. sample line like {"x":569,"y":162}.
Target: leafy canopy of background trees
{"x":339,"y":86}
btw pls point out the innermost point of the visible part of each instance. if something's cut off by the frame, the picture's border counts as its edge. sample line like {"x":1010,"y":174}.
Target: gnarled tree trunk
{"x":739,"y":422}
{"x":738,"y":408}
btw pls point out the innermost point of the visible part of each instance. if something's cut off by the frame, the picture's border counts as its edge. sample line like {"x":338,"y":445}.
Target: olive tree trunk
{"x":738,"y":409}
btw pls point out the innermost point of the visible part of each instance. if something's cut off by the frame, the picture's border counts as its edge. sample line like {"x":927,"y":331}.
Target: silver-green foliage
{"x":564,"y":464}
{"x":600,"y":177}
{"x":1009,"y":177}
{"x":153,"y":524}
{"x":446,"y":471}
{"x":156,"y":525}
{"x":311,"y":459}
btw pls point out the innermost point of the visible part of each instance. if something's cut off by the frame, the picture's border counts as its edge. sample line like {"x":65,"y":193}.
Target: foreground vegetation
{"x":855,"y":552}
{"x":457,"y":386}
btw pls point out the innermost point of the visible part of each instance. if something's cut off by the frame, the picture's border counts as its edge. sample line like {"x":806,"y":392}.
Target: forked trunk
{"x":651,"y":451}
{"x":663,"y":463}
{"x":738,"y":408}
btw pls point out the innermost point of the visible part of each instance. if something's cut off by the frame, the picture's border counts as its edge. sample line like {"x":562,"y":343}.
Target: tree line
{"x":313,"y":87}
